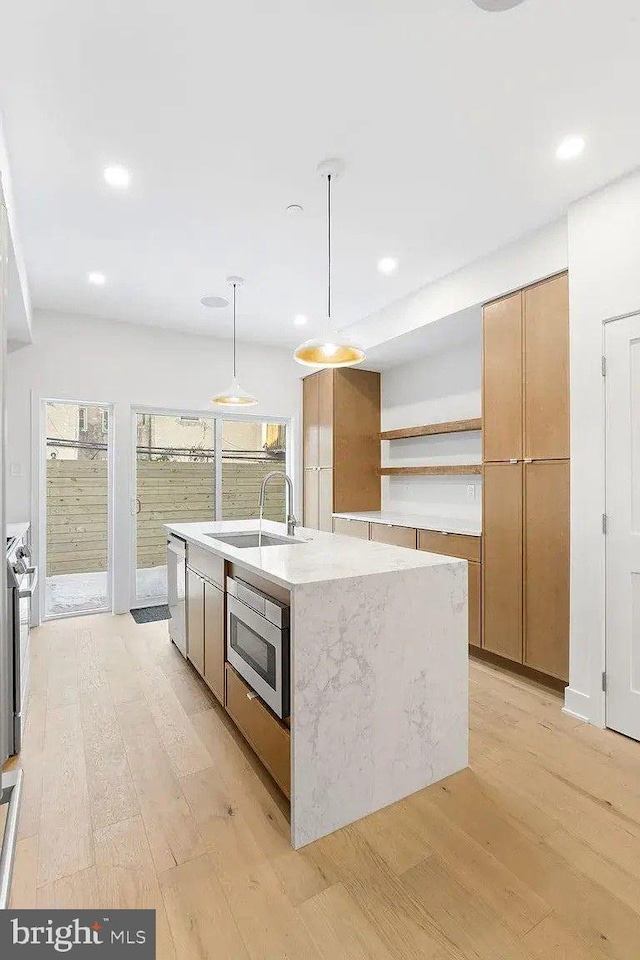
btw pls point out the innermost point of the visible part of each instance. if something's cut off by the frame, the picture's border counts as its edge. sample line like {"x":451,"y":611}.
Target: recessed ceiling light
{"x":387,"y":265}
{"x":570,"y":147}
{"x":295,"y":209}
{"x":217,"y":302}
{"x":97,"y":278}
{"x":300,"y":320}
{"x":117,"y":176}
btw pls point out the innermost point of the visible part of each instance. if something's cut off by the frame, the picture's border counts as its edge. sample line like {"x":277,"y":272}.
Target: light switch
{"x":15,"y":468}
{"x":471,"y":491}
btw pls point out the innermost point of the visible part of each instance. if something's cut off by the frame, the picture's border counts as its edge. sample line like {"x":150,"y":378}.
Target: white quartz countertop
{"x":439,"y":524}
{"x":319,"y":557}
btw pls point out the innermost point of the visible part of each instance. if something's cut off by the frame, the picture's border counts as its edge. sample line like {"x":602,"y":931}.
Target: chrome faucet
{"x":291,"y":520}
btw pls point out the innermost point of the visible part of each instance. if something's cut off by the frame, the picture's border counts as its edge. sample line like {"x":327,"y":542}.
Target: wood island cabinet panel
{"x":310,"y":421}
{"x":546,"y":370}
{"x":195,"y":620}
{"x":502,"y":379}
{"x":450,"y":544}
{"x":214,"y":639}
{"x":502,"y":560}
{"x":546,"y":567}
{"x":206,"y":563}
{"x":351,"y":528}
{"x":397,"y":536}
{"x":325,"y":418}
{"x":475,"y":604}
{"x":268,"y":737}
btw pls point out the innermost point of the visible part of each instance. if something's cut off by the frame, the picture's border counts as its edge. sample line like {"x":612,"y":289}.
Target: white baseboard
{"x":578,"y":705}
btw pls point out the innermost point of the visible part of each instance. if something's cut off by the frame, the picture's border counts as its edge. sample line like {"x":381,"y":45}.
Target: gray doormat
{"x":149,"y":614}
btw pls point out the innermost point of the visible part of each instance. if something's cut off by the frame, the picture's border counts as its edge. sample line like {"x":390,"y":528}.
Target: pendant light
{"x":234,"y":395}
{"x":332,"y":349}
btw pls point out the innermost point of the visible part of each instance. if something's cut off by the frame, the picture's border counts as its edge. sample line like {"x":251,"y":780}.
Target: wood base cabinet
{"x":502,"y":559}
{"x":214,"y":639}
{"x":526,"y":564}
{"x":546,"y":567}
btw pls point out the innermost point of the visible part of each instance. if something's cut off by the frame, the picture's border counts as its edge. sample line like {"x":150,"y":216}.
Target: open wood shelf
{"x":429,"y":429}
{"x":443,"y":469}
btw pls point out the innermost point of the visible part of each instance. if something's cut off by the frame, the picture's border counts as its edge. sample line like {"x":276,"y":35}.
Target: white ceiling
{"x":447,"y":116}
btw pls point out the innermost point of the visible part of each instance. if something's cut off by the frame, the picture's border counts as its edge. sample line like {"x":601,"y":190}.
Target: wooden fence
{"x":168,"y":491}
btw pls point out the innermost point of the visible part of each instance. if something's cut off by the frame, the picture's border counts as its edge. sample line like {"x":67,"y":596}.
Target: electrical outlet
{"x":471,"y":491}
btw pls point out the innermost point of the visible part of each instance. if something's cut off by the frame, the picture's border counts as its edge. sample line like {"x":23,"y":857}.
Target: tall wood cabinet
{"x":341,"y":445}
{"x":525,"y":566}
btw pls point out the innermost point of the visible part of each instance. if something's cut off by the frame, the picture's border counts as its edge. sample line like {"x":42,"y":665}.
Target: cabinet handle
{"x":513,"y":461}
{"x":251,"y":695}
{"x":528,"y":459}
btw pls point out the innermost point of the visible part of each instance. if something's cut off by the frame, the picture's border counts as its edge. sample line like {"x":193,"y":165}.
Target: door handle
{"x":138,"y":505}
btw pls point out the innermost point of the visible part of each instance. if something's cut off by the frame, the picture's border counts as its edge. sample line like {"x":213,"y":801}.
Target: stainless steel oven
{"x":258,"y":643}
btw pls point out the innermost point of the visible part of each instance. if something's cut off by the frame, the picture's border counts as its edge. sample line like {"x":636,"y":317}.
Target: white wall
{"x":526,"y":260}
{"x":442,"y":386}
{"x":604,"y":282}
{"x":77,"y":358}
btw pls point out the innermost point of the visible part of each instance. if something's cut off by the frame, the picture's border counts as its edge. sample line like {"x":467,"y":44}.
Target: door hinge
{"x":604,"y":366}
{"x":604,"y":682}
{"x":605,"y":523}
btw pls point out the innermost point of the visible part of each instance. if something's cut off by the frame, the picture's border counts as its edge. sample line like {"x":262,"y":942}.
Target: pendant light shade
{"x":330,"y":350}
{"x":234,"y":395}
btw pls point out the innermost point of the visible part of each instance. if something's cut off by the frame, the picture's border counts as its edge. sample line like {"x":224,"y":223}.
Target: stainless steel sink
{"x":251,"y":538}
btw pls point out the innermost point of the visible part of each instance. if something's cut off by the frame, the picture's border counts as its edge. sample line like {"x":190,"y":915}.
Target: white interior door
{"x":622,"y":346}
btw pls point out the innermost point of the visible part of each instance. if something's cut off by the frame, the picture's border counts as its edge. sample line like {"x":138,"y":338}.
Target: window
{"x":82,"y":418}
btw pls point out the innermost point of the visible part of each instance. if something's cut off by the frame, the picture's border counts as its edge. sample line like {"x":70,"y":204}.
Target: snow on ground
{"x":82,"y":592}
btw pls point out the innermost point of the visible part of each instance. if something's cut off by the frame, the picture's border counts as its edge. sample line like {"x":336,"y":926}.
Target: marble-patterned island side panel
{"x":380,"y":693}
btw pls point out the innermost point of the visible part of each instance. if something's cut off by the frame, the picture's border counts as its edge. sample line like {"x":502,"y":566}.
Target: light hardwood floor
{"x":139,"y":793}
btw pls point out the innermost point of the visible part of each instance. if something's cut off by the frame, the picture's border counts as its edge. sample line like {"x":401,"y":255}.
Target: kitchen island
{"x":378,"y":672}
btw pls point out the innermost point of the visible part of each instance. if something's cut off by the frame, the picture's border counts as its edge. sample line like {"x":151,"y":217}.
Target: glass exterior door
{"x":78,"y":548}
{"x":175,"y":483}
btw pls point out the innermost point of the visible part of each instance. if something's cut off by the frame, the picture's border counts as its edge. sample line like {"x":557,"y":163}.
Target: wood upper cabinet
{"x":325,"y":418}
{"x":502,"y":559}
{"x":195,"y":620}
{"x":546,"y":567}
{"x":341,"y":424}
{"x":546,"y":370}
{"x":502,"y":379}
{"x":214,"y":639}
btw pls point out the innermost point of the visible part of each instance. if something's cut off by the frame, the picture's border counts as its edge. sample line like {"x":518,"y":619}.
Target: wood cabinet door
{"x":311,"y":506}
{"x":195,"y":620}
{"x":397,"y":536}
{"x":502,"y":560}
{"x":546,"y":370}
{"x":214,"y":639}
{"x":325,"y":499}
{"x":357,"y":440}
{"x":325,"y":418}
{"x":502,"y":379}
{"x":546,"y":567}
{"x":475,"y":607}
{"x":310,"y":420}
{"x":351,"y":528}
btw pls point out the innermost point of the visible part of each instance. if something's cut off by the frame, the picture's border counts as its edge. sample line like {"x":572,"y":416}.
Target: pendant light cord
{"x":329,"y":245}
{"x":234,"y":332}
